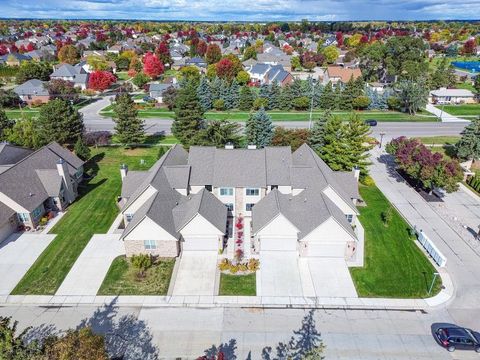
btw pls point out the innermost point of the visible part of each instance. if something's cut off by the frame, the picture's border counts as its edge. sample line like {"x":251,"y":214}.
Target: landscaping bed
{"x":395,"y":267}
{"x":238,"y":285}
{"x":92,"y":213}
{"x":123,"y":279}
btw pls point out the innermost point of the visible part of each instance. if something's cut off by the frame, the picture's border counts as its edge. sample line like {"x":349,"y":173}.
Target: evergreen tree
{"x":468,"y":147}
{"x":204,"y":94}
{"x":81,"y":149}
{"x":337,"y":96}
{"x":357,"y":135}
{"x":374,"y":99}
{"x":5,"y":124}
{"x":296,"y":88}
{"x":274,"y":96}
{"x":246,"y":99}
{"x":286,"y":98}
{"x":316,"y":138}
{"x":317,"y":92}
{"x":188,"y":119}
{"x":234,"y":95}
{"x":128,"y":126}
{"x":259,"y":129}
{"x":264,"y":91}
{"x":333,"y":151}
{"x":383,"y":100}
{"x":59,"y":121}
{"x":327,"y":98}
{"x":348,"y":94}
{"x":218,"y":133}
{"x":224,"y":91}
{"x":215,"y":88}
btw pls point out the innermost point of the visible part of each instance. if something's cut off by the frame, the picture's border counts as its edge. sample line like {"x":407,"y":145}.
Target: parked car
{"x":453,"y":337}
{"x":371,"y":122}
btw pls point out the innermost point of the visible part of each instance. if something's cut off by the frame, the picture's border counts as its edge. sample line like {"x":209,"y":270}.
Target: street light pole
{"x":435,"y":274}
{"x":382,"y":134}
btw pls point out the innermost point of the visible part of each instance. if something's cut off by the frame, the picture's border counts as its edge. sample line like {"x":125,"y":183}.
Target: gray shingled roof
{"x":10,"y":154}
{"x":51,"y":181}
{"x":32,"y":87}
{"x":5,"y":213}
{"x":131,"y":182}
{"x":178,"y":176}
{"x":21,"y":181}
{"x":66,"y":70}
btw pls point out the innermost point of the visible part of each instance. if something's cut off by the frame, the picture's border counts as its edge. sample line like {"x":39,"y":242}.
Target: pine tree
{"x":5,"y":124}
{"x":188,"y":119}
{"x":333,"y":151}
{"x":204,"y":94}
{"x":357,"y":137}
{"x":234,"y":94}
{"x":338,"y":97}
{"x":296,"y":88}
{"x":215,"y":87}
{"x":317,"y":135}
{"x":286,"y":98}
{"x":327,"y":98}
{"x":264,"y":91}
{"x":259,"y":129}
{"x":348,"y":94}
{"x":274,"y":96}
{"x":81,"y":149}
{"x":246,"y":99}
{"x":59,"y":121}
{"x":224,"y":91}
{"x":128,"y":126}
{"x":468,"y":147}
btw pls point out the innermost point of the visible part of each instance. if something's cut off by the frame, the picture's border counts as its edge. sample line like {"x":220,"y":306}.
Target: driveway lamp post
{"x":382,"y":134}
{"x":435,"y":274}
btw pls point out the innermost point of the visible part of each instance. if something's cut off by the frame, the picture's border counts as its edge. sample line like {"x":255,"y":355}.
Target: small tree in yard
{"x":81,"y":149}
{"x":387,"y":216}
{"x":468,"y":147}
{"x":142,"y":263}
{"x":129,"y":128}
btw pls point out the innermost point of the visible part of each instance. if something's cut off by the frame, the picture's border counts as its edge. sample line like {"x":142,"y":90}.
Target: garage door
{"x":5,"y":231}
{"x":278,"y":244}
{"x":327,"y":250}
{"x":200,"y":244}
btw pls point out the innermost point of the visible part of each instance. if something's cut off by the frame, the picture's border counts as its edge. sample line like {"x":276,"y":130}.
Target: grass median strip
{"x":394,"y":265}
{"x":92,"y":213}
{"x":238,"y":285}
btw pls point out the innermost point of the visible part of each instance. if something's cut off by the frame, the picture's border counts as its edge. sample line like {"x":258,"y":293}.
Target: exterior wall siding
{"x":167,"y":249}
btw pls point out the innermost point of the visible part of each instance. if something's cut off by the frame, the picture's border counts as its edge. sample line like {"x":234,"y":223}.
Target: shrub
{"x":387,"y":216}
{"x":253,"y":265}
{"x":43,"y":221}
{"x":224,"y":265}
{"x":259,"y":103}
{"x":393,"y":103}
{"x":301,"y":103}
{"x":361,"y":102}
{"x":142,"y":262}
{"x":219,"y":104}
{"x":368,"y":181}
{"x":97,"y":138}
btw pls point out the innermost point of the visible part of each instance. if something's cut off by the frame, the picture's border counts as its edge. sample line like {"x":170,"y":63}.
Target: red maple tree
{"x":152,"y":66}
{"x":101,"y":80}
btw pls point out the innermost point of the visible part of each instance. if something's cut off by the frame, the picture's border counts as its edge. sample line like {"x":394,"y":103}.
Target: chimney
{"x":229,"y":146}
{"x":251,"y":147}
{"x":356,"y":172}
{"x":62,"y":169}
{"x":123,"y":171}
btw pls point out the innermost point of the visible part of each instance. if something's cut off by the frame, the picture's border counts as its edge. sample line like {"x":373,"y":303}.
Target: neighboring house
{"x":190,"y":201}
{"x":452,"y":96}
{"x":196,"y":61}
{"x":42,"y":181}
{"x":156,"y":90}
{"x":340,"y":75}
{"x":33,"y":91}
{"x":261,"y":73}
{"x":11,"y":154}
{"x":14,"y":59}
{"x":76,"y":74}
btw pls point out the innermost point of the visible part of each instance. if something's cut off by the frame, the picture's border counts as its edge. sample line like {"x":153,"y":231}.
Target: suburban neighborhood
{"x":239,"y":189}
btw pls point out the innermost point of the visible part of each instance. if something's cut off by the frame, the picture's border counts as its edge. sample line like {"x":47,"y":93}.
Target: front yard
{"x":461,"y":110}
{"x":394,"y":266}
{"x":122,"y":278}
{"x":238,"y":285}
{"x":92,"y":213}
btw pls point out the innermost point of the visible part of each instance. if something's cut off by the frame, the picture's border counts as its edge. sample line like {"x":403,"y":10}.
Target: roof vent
{"x":30,"y":194}
{"x":251,"y":147}
{"x":305,"y":200}
{"x":229,"y":146}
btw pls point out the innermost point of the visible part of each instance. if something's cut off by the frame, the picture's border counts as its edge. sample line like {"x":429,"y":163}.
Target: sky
{"x":243,"y":10}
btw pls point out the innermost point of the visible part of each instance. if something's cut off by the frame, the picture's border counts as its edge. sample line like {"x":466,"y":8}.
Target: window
{"x":208,"y":187}
{"x":129,"y":217}
{"x":37,"y":212}
{"x":249,"y":207}
{"x":252,"y":192}
{"x":349,"y":218}
{"x":23,"y":217}
{"x":150,"y":244}
{"x":226,"y":191}
{"x":229,"y":206}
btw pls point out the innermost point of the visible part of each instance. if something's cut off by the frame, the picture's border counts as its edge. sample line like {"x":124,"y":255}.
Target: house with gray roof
{"x":263,"y":73}
{"x":33,"y":91}
{"x":289,"y":202}
{"x":156,"y":90}
{"x":75,"y":74}
{"x":36,"y":183}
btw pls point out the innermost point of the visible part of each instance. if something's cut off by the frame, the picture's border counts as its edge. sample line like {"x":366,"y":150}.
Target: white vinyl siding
{"x":226,"y":191}
{"x":252,"y":192}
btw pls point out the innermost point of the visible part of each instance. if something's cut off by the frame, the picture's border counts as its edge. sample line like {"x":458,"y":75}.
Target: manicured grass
{"x":122,"y":278}
{"x":436,"y":140}
{"x":122,"y":75}
{"x":18,"y":114}
{"x":394,"y":266}
{"x":92,"y":213}
{"x":381,"y":116}
{"x":465,"y":109}
{"x":238,"y":285}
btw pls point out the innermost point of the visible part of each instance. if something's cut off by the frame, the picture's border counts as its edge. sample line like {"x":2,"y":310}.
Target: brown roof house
{"x":36,"y":183}
{"x":339,"y":74}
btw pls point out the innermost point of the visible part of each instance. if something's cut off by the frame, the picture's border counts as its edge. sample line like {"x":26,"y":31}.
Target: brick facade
{"x":165,"y":249}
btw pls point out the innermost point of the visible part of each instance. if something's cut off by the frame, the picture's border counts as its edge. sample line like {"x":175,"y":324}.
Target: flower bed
{"x":240,"y":268}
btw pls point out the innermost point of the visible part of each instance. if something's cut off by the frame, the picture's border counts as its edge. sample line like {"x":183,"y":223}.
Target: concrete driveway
{"x":87,"y":274}
{"x":17,"y":254}
{"x":196,"y":274}
{"x":331,"y":278}
{"x":279,"y":274}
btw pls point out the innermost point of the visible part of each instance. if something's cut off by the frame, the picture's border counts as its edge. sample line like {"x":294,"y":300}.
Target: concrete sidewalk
{"x":87,"y":274}
{"x":442,"y":115}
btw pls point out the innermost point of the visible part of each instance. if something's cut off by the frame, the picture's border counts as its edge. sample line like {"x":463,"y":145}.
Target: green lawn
{"x":92,"y":213}
{"x":437,"y":140}
{"x":238,"y":285}
{"x":18,"y":114}
{"x":122,"y":75}
{"x":122,"y":278}
{"x":382,"y":116}
{"x":466,"y":109}
{"x":394,"y":266}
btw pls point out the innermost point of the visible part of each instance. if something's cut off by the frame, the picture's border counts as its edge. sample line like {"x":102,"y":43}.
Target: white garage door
{"x":327,"y":250}
{"x":278,"y":244}
{"x":200,"y":244}
{"x":5,"y":231}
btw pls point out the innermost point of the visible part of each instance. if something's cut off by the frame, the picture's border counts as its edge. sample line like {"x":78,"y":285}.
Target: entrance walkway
{"x":88,"y":272}
{"x":442,"y":115}
{"x":196,"y":275}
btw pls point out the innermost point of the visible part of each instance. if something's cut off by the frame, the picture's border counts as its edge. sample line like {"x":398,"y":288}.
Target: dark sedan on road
{"x":371,"y":122}
{"x":453,"y":337}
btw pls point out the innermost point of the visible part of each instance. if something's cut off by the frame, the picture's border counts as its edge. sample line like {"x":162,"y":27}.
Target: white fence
{"x":431,"y":249}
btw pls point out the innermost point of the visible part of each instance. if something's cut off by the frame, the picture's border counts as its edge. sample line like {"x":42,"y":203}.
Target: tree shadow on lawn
{"x":126,"y":337}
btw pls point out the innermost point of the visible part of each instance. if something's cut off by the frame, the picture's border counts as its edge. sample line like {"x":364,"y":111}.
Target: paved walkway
{"x":442,"y":115}
{"x":88,"y":272}
{"x":17,"y":253}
